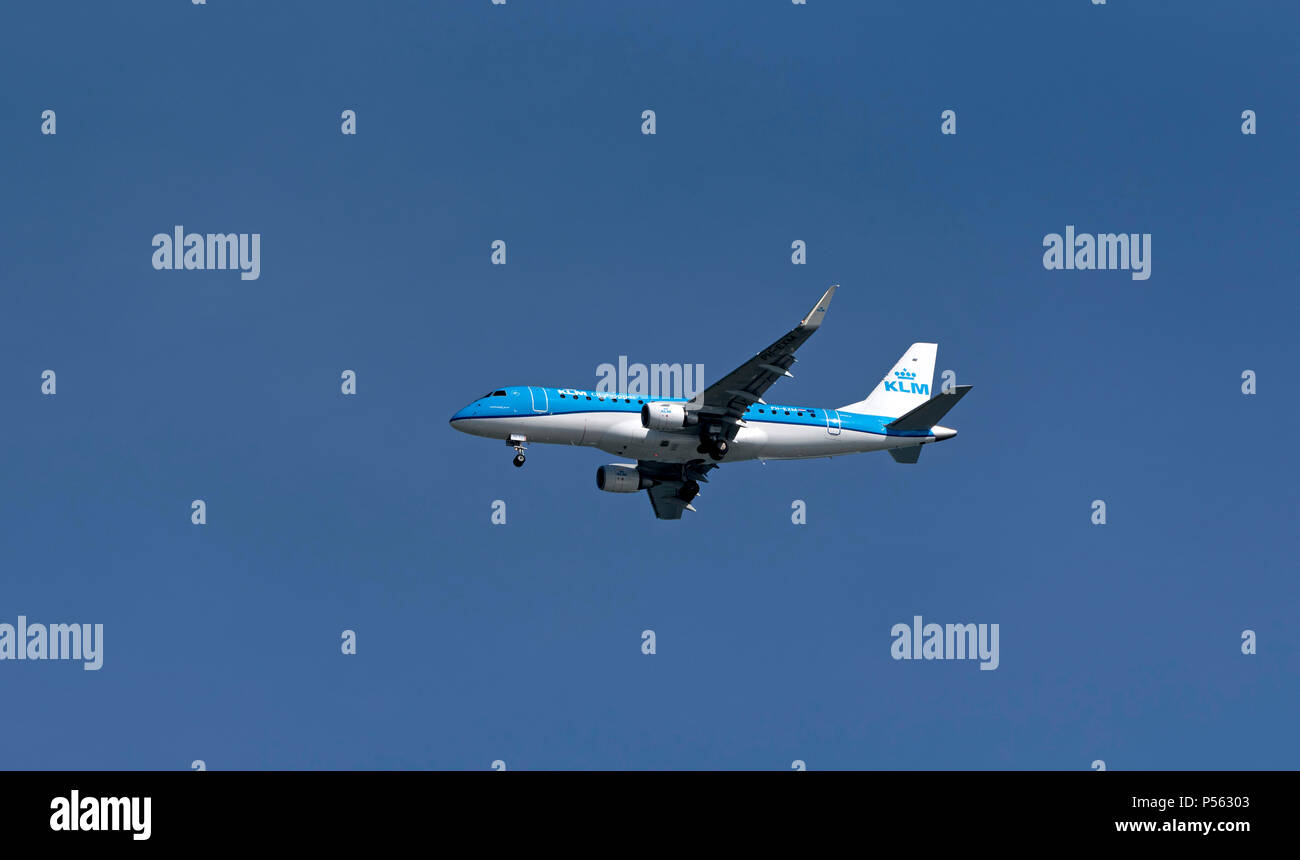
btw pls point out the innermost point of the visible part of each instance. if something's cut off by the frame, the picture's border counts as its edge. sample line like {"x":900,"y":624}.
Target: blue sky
{"x":522,"y":642}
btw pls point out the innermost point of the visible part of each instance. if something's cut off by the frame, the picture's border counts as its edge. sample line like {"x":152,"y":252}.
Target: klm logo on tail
{"x":904,"y":379}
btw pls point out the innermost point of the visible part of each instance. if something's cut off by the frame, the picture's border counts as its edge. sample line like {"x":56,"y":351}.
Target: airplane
{"x":677,"y":441}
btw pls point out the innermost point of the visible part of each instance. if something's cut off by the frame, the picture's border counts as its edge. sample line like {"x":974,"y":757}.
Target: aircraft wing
{"x":728,"y":398}
{"x":667,"y":504}
{"x":673,"y":490}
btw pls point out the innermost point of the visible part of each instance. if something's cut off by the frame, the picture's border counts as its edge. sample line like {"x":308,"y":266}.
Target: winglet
{"x":814,"y":318}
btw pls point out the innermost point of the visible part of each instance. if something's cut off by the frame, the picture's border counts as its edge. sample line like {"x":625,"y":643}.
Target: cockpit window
{"x":498,"y":394}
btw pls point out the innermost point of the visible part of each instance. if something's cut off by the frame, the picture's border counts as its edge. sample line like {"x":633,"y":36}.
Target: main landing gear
{"x":517,"y":442}
{"x":715,"y":446}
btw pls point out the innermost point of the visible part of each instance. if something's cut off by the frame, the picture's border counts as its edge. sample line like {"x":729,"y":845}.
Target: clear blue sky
{"x":522,"y":642}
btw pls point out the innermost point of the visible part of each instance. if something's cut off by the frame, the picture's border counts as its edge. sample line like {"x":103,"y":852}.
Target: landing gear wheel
{"x":518,"y":443}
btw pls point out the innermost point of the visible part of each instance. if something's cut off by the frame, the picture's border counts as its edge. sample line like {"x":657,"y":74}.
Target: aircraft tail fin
{"x":904,"y":388}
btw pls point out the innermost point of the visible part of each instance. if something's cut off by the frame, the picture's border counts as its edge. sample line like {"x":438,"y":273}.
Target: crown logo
{"x":904,"y":374}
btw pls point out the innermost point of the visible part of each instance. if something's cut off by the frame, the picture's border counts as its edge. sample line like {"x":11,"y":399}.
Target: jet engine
{"x":621,"y":478}
{"x":666,"y":416}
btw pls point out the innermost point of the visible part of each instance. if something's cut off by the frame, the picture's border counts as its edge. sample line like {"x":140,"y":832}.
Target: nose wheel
{"x":517,"y":442}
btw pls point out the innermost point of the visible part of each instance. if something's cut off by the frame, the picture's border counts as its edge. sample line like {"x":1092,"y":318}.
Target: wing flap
{"x":671,"y":495}
{"x":667,"y":504}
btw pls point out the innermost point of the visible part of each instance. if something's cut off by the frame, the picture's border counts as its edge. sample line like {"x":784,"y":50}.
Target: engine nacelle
{"x":620,"y":478}
{"x":665,"y":416}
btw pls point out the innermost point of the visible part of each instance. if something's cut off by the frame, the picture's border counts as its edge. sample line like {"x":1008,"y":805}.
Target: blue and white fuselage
{"x":677,"y":441}
{"x":613,"y":423}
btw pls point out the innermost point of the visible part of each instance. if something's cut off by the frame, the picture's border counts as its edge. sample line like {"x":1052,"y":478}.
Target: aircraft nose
{"x":461,"y":418}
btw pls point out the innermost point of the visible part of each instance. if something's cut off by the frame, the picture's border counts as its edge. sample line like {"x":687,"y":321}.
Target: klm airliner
{"x":676,"y":442}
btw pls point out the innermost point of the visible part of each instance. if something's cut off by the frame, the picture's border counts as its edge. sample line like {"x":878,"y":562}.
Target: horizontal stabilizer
{"x":910,"y":454}
{"x":929,"y":413}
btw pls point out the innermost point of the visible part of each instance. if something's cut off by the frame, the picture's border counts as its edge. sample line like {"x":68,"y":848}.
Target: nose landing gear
{"x":518,"y":443}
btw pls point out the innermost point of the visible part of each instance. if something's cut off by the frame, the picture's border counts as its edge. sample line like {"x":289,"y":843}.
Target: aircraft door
{"x":832,"y":422}
{"x":540,"y":401}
